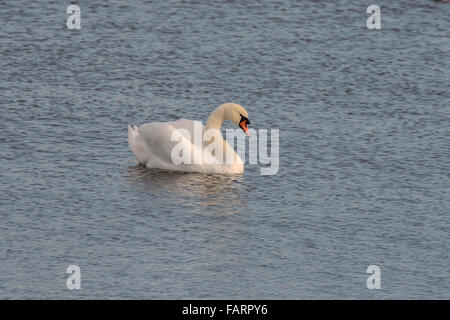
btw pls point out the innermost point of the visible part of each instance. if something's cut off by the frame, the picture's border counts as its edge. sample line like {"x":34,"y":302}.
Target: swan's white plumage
{"x":152,"y":145}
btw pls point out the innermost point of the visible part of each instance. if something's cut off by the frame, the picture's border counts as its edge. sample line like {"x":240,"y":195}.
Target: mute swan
{"x":155,"y":144}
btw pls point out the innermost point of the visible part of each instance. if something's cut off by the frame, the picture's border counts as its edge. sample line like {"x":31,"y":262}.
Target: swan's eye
{"x":245,"y":120}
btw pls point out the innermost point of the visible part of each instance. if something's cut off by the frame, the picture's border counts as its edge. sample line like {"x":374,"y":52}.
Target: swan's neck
{"x":216,"y":118}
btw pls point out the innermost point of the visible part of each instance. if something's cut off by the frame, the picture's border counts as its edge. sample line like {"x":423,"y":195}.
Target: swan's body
{"x":152,"y":143}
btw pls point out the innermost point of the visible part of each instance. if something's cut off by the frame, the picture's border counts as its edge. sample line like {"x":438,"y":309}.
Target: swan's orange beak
{"x":244,"y":127}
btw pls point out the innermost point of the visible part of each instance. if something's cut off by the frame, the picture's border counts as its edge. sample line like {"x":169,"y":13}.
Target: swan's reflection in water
{"x":208,"y":194}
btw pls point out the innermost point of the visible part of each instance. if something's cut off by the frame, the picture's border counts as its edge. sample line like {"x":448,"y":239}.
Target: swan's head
{"x":238,"y":115}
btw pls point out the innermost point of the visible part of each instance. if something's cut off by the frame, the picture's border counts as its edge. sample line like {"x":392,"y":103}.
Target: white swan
{"x":152,"y":143}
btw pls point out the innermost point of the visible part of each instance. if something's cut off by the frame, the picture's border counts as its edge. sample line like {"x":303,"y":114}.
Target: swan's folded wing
{"x":161,"y":139}
{"x":190,"y":125}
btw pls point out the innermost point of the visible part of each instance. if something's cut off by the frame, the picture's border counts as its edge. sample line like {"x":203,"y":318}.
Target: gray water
{"x":364,"y":150}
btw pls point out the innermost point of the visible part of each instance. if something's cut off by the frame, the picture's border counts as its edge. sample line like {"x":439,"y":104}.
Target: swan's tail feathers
{"x":137,"y":145}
